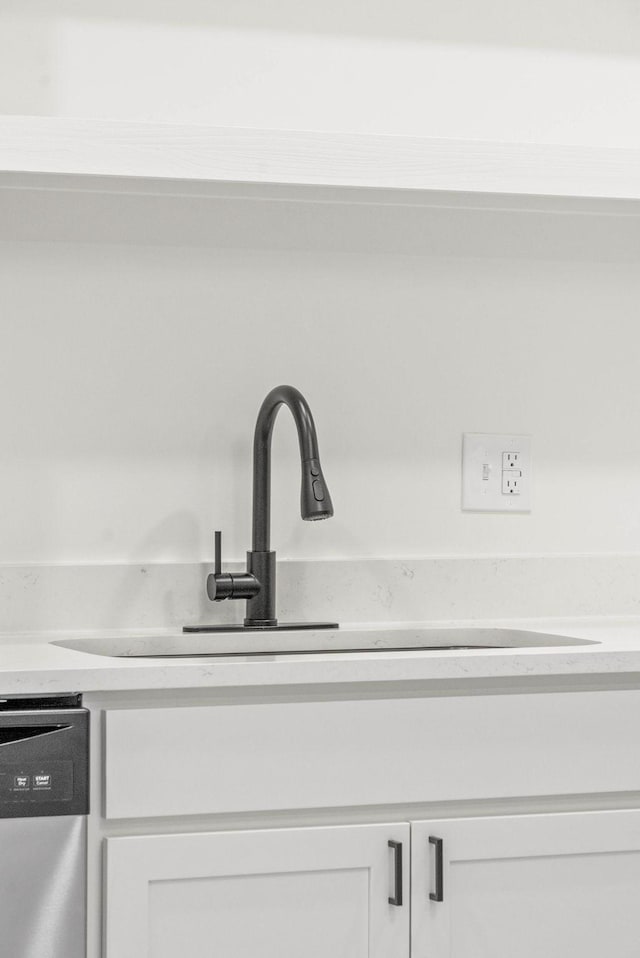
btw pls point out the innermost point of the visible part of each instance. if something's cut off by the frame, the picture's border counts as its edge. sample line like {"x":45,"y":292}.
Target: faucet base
{"x":279,"y":627}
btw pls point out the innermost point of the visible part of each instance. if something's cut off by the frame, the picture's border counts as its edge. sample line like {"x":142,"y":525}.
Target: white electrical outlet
{"x":496,"y":473}
{"x":511,"y":482}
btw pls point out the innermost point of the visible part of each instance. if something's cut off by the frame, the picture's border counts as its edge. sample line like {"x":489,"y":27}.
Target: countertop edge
{"x":35,"y":665}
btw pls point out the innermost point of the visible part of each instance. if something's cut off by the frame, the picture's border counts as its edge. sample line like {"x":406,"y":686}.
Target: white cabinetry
{"x":317,"y":892}
{"x":526,"y":886}
{"x":529,"y":885}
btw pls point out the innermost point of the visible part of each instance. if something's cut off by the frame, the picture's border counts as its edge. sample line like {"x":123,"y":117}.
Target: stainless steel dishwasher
{"x":44,"y":746}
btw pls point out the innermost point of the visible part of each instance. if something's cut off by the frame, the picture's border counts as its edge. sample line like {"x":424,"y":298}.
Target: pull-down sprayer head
{"x":315,"y":501}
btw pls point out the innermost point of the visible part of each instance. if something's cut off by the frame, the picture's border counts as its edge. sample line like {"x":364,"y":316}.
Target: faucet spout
{"x":315,"y":501}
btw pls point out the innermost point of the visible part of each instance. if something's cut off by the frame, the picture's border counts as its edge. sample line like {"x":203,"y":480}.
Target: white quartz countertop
{"x":32,"y":664}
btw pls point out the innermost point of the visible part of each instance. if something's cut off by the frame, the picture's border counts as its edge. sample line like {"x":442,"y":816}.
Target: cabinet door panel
{"x":552,"y":885}
{"x":321,"y":892}
{"x":318,"y":914}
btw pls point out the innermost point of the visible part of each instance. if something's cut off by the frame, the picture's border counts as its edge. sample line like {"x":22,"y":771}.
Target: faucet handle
{"x":229,"y":585}
{"x":219,"y":586}
{"x":218,"y":553}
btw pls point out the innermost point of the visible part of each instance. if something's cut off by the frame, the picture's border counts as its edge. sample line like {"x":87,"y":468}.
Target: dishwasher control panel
{"x":36,"y":782}
{"x":44,"y":763}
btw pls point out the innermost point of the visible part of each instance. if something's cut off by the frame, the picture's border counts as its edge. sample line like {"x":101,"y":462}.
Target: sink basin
{"x":309,"y":642}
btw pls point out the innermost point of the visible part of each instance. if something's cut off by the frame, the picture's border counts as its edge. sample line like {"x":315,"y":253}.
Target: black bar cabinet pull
{"x":397,"y":871}
{"x":438,"y":894}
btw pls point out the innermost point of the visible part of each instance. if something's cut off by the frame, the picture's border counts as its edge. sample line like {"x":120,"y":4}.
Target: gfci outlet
{"x":496,"y":473}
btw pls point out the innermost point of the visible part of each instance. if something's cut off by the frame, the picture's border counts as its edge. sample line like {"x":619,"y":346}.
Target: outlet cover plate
{"x":483,"y":470}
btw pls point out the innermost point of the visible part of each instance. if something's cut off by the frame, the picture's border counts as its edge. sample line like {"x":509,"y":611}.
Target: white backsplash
{"x":63,"y":598}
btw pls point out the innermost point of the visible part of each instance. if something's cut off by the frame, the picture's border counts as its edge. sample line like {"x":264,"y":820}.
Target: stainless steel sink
{"x":322,"y":641}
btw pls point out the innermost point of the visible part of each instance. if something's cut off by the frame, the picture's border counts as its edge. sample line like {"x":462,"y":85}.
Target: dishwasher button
{"x":21,"y":781}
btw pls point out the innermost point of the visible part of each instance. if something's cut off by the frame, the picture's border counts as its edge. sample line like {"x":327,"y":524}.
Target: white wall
{"x":130,"y":378}
{"x":562,"y":71}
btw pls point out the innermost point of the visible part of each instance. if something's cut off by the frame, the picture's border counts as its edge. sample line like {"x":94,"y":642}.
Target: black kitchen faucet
{"x":258,"y":583}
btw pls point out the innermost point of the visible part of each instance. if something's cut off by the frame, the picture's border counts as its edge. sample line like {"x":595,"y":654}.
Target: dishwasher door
{"x":42,"y":887}
{"x":43,"y":806}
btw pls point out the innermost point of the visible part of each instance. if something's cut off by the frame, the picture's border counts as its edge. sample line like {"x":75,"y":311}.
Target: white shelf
{"x":145,"y":183}
{"x":107,"y":156}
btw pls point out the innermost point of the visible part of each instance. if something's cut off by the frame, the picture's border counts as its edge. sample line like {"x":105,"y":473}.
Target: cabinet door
{"x":527,"y":886}
{"x":278,"y":893}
